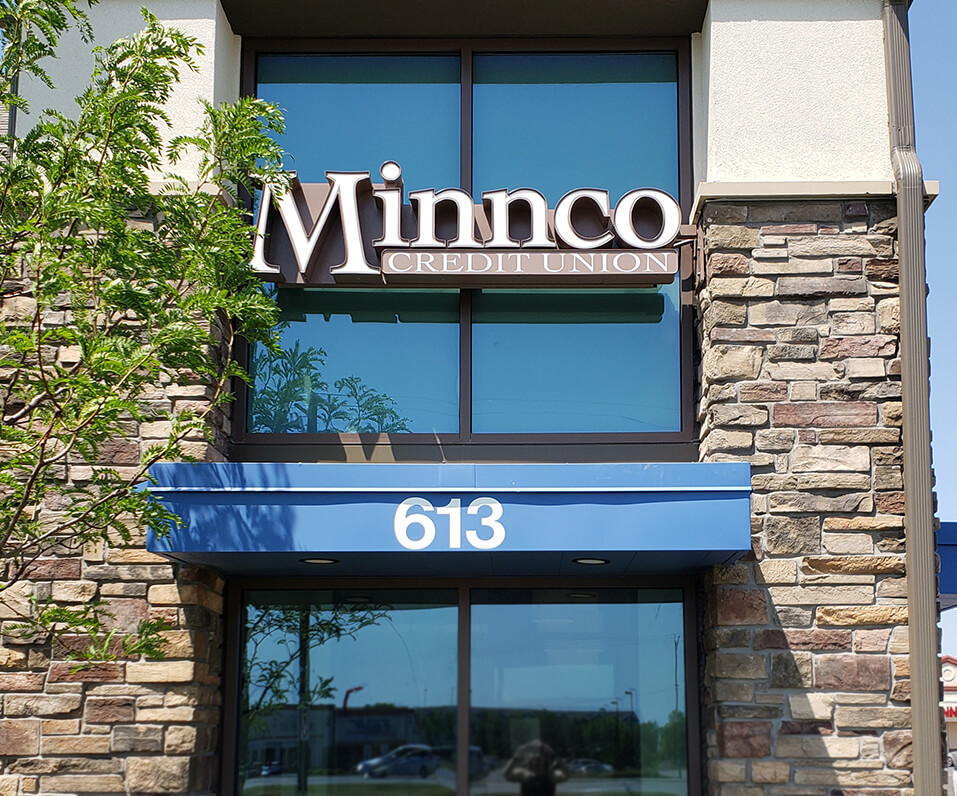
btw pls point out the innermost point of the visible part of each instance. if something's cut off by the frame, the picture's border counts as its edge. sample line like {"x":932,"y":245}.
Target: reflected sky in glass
{"x":556,"y":122}
{"x":598,"y":361}
{"x":353,"y":112}
{"x":335,"y":682}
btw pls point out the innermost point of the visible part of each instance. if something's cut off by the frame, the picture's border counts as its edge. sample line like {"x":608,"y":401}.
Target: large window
{"x":461,"y":365}
{"x":521,"y":691}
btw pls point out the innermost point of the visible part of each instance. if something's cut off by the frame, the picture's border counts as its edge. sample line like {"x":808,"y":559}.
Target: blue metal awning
{"x":947,"y":550}
{"x":454,"y":519}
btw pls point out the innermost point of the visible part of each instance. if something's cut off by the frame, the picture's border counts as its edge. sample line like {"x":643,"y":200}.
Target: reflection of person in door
{"x":537,"y":768}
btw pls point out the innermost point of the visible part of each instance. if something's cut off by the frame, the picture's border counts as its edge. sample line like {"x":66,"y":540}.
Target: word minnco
{"x":351,"y":230}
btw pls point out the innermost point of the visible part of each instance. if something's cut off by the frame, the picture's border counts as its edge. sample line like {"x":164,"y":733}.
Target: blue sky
{"x":934,"y":62}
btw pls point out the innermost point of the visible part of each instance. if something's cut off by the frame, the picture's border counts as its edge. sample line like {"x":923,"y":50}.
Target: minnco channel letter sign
{"x":349,"y":230}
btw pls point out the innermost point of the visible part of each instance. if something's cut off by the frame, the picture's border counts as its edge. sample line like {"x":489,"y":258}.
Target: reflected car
{"x":588,"y":767}
{"x":411,"y":760}
{"x":268,"y":769}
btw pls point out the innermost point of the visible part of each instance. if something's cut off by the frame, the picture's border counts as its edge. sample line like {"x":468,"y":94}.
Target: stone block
{"x":818,"y":287}
{"x":186,"y":594}
{"x":54,"y":569}
{"x":82,"y":783}
{"x":732,"y":236}
{"x":889,"y":315}
{"x":834,"y":482}
{"x":729,"y":691}
{"x":861,"y":616}
{"x":161,"y":672}
{"x":824,"y":414}
{"x":804,"y":391}
{"x":737,"y":415}
{"x":845,"y":565}
{"x":741,"y":606}
{"x":787,"y":313}
{"x":167,"y":774}
{"x":807,"y":503}
{"x":63,"y":672}
{"x":739,"y":666}
{"x":60,"y":726}
{"x":853,"y":323}
{"x":774,"y":440}
{"x":871,"y":640}
{"x":770,"y":773}
{"x":867,"y":718}
{"x":724,"y":313}
{"x":111,"y":710}
{"x":136,"y":738}
{"x":776,"y":571}
{"x":840,"y":246}
{"x":21,"y":681}
{"x":792,"y":535}
{"x":79,"y":591}
{"x":803,"y":747}
{"x":848,"y":543}
{"x":761,"y":391}
{"x":852,"y":672}
{"x":812,"y":705}
{"x":879,"y":523}
{"x":890,"y":502}
{"x":817,"y":639}
{"x":724,"y":213}
{"x":41,"y":705}
{"x":728,"y":771}
{"x":803,"y":371}
{"x":19,"y":737}
{"x":790,"y":670}
{"x":720,"y":441}
{"x":860,"y":436}
{"x":830,"y":459}
{"x":865,"y":368}
{"x":882,"y":270}
{"x":791,"y":352}
{"x":877,"y":345}
{"x":741,"y":287}
{"x":892,"y":588}
{"x":726,"y":264}
{"x":75,"y":745}
{"x":822,"y":595}
{"x":744,"y":739}
{"x":180,"y":740}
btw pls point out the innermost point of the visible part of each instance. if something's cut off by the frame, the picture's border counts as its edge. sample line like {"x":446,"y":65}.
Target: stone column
{"x":805,"y":639}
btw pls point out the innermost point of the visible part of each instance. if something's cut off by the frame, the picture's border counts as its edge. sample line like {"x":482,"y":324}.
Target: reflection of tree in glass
{"x":289,"y":395}
{"x":278,"y":641}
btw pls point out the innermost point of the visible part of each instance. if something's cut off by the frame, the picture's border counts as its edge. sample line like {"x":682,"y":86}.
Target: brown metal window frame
{"x":235,"y":596}
{"x":465,"y":445}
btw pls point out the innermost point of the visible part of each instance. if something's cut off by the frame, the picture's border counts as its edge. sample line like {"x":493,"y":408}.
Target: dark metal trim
{"x":926,"y":714}
{"x":232,"y":654}
{"x":463,"y":713}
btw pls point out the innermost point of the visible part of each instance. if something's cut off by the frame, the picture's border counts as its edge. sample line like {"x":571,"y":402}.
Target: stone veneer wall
{"x":128,"y":726}
{"x":806,"y":684}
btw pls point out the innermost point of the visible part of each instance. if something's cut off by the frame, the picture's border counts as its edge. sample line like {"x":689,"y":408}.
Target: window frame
{"x":681,"y":445}
{"x":235,"y":596}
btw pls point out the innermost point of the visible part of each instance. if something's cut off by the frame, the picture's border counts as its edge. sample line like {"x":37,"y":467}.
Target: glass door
{"x":577,"y":691}
{"x":362,"y":692}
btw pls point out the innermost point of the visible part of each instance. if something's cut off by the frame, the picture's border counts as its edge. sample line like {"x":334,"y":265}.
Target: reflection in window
{"x":346,"y":693}
{"x":565,"y":361}
{"x":603,"y":120}
{"x":353,"y":112}
{"x":578,"y":691}
{"x":359,"y":361}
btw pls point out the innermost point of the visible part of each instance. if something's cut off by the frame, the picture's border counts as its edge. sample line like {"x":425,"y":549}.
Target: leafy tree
{"x":115,"y":278}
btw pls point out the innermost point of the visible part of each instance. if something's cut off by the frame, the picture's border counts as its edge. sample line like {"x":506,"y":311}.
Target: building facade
{"x":595,"y":487}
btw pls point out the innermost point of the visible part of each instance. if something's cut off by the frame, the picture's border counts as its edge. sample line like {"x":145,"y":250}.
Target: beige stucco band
{"x":747,"y":191}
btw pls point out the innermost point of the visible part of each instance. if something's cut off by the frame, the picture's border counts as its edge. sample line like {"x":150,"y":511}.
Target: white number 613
{"x":415,"y":511}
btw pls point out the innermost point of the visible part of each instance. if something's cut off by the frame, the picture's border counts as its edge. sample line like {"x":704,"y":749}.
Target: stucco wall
{"x":791,"y":91}
{"x":216,"y":78}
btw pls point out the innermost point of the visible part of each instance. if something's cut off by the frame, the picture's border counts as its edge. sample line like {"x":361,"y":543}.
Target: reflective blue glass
{"x":579,"y":691}
{"x":353,"y":112}
{"x":358,"y":360}
{"x":561,"y":121}
{"x":565,"y":361}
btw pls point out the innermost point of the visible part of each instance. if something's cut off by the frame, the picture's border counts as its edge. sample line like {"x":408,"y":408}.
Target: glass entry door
{"x":362,"y":692}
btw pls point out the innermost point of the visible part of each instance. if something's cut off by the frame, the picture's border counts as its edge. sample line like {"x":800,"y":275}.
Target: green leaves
{"x":122,"y":292}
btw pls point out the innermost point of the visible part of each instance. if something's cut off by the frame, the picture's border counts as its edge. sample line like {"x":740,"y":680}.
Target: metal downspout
{"x":915,"y":374}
